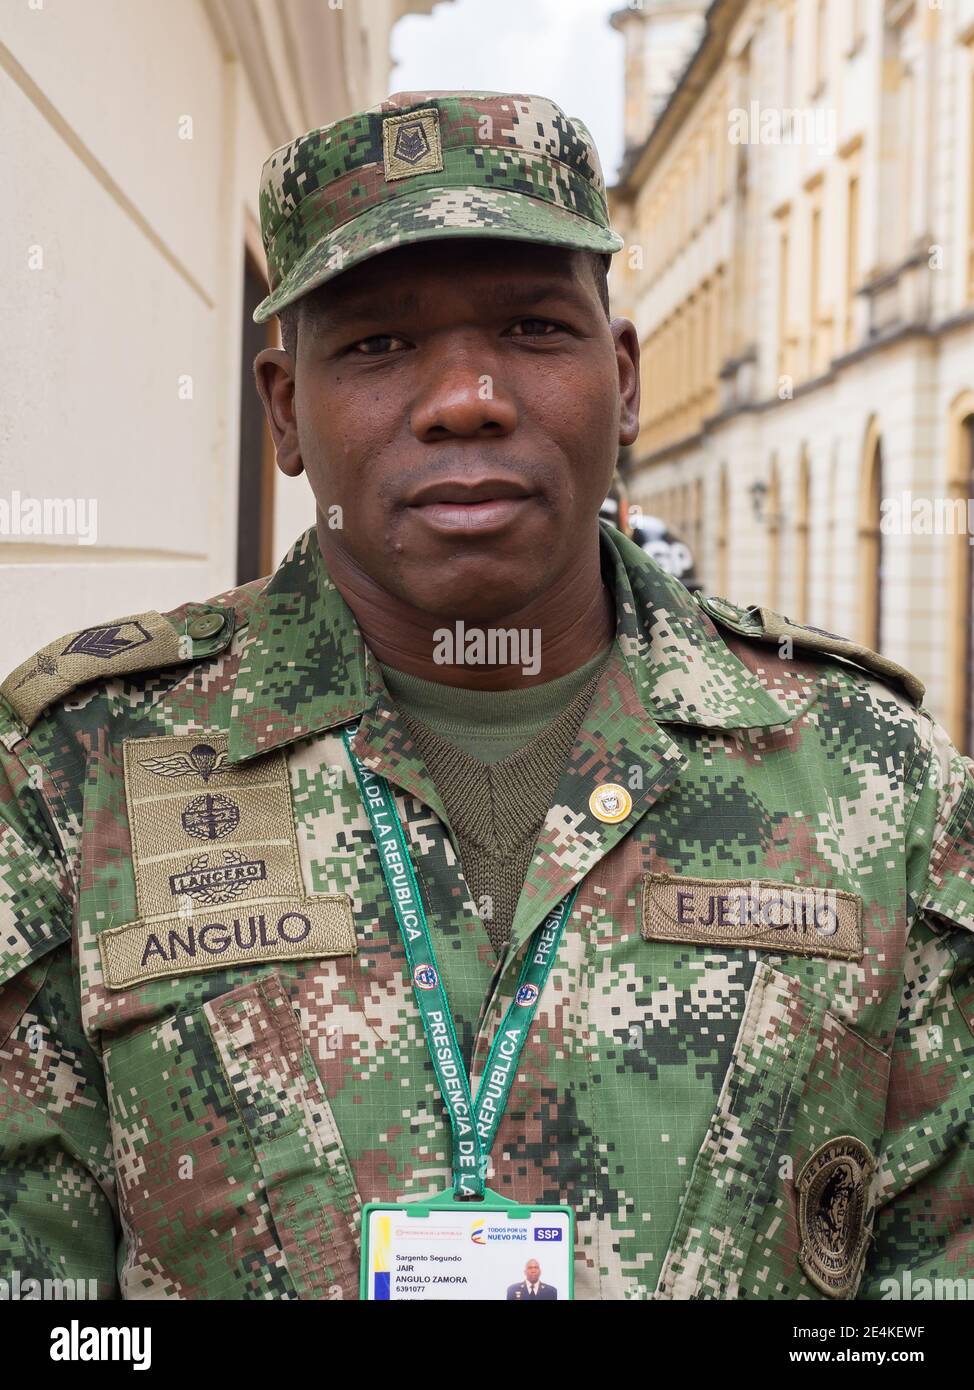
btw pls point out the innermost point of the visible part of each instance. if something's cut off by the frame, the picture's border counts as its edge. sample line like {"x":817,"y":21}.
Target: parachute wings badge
{"x":202,"y":760}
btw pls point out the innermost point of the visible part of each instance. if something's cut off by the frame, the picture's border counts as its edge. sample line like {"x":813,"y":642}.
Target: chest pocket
{"x":779,"y":1202}
{"x":233,"y":1179}
{"x":307,"y":1179}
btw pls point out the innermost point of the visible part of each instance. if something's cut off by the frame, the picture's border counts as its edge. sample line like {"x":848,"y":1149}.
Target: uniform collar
{"x":305,"y":666}
{"x":681,"y":668}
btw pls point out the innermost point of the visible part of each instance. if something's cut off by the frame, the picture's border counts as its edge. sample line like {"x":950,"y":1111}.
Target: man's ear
{"x":627,"y":361}
{"x":274,"y":376}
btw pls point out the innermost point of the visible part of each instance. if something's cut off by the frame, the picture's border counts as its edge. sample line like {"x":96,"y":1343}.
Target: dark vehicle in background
{"x":651,"y":533}
{"x":666,"y":548}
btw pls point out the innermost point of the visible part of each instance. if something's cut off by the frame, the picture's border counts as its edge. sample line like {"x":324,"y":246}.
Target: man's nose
{"x":462,"y":396}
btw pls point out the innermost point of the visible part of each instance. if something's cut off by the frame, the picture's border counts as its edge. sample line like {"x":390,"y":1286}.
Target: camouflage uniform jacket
{"x":210,"y":1054}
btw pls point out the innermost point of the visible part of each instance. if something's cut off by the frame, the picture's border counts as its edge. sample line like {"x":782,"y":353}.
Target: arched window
{"x":800,"y":614}
{"x":696,"y":541}
{"x":827,"y":539}
{"x":723,"y":533}
{"x":871,"y":539}
{"x":774,"y":534}
{"x":960,"y":582}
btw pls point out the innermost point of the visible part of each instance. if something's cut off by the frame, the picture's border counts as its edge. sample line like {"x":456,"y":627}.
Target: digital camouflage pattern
{"x":422,"y":166}
{"x":727,"y":1120}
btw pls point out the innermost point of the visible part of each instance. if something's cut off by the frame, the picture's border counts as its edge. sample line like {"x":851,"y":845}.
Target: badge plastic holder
{"x":471,"y":1206}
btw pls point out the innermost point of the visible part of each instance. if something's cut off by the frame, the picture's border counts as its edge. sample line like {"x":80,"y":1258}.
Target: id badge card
{"x":443,"y":1250}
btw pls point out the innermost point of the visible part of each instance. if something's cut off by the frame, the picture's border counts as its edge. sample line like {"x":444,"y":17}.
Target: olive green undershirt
{"x":488,"y":724}
{"x":496,"y":758}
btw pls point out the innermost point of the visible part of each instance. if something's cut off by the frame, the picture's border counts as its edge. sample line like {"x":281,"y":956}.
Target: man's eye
{"x":376,"y":345}
{"x":534,"y":328}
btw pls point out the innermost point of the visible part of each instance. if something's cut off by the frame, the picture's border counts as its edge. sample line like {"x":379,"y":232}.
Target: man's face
{"x":532,"y":1271}
{"x":461,"y":403}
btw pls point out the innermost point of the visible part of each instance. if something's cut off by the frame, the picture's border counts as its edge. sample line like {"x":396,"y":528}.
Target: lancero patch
{"x":832,"y":1210}
{"x":217,"y":872}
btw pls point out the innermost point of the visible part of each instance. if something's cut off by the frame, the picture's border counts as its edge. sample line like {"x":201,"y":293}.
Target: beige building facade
{"x":135,"y":471}
{"x":799,"y":261}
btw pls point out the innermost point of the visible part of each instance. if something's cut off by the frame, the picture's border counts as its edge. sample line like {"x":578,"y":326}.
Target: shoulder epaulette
{"x":765,"y":625}
{"x":137,"y":642}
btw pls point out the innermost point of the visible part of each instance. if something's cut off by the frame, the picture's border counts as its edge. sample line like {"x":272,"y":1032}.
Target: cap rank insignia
{"x":411,"y":144}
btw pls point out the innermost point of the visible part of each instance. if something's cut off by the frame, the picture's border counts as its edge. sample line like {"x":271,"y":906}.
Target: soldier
{"x":254,"y":847}
{"x":531,"y":1289}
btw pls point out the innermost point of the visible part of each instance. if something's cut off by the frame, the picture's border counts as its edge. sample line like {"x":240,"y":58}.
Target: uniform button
{"x":204,"y":625}
{"x":610,"y":803}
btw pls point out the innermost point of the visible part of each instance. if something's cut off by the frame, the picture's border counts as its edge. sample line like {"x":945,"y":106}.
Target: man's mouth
{"x":463,"y":506}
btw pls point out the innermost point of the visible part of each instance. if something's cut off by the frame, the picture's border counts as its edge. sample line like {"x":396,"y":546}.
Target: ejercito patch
{"x":755,"y":914}
{"x":217,"y":872}
{"x":832,"y":1201}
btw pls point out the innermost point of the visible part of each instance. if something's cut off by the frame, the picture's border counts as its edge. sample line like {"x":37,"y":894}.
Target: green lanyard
{"x":474,"y":1123}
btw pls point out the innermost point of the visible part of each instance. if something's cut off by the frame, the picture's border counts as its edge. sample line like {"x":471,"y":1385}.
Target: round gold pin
{"x":610,"y":803}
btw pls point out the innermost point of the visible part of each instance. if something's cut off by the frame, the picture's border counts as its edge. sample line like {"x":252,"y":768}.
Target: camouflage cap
{"x":426,"y":165}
